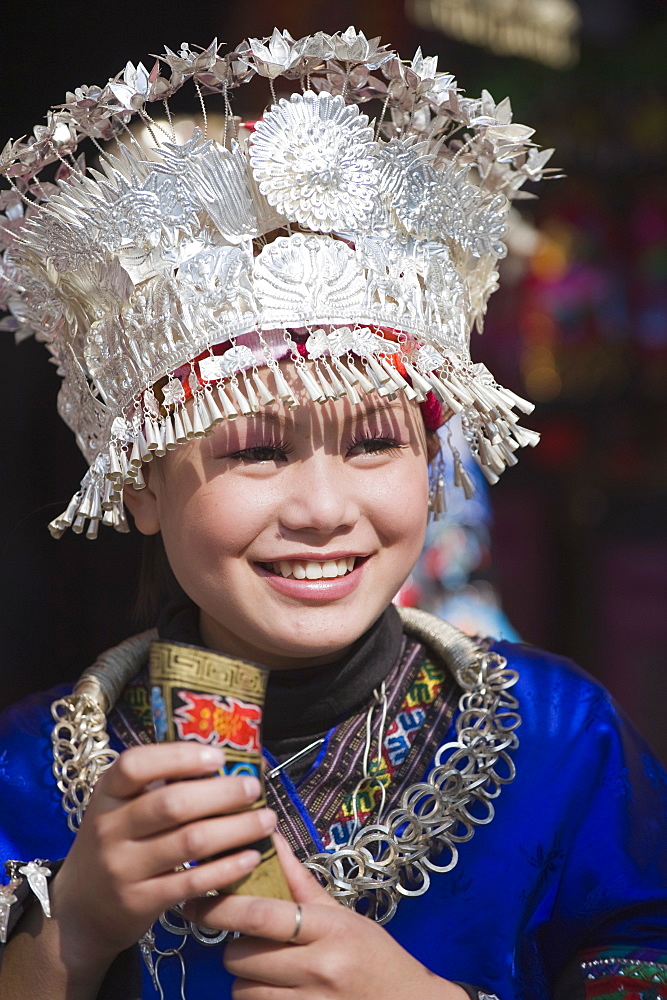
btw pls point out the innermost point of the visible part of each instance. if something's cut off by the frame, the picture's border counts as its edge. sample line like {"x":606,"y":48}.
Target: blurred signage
{"x":543,"y":30}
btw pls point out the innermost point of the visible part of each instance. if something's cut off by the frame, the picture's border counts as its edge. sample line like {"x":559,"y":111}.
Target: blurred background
{"x":571,"y":554}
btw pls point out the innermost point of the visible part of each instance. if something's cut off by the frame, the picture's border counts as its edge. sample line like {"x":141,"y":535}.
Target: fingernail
{"x":249,"y":860}
{"x":268,"y":820}
{"x":252,"y":788}
{"x":212,"y":757}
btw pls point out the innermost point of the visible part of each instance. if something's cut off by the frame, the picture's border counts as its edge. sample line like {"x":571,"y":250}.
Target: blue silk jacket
{"x":574,"y":862}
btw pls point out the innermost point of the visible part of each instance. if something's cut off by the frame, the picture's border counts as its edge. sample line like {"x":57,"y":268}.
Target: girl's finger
{"x":257,"y":916}
{"x":249,"y":989}
{"x":185,"y":801}
{"x":201,"y":839}
{"x":139,"y":767}
{"x":264,"y":961}
{"x":196,"y":881}
{"x":303,"y":885}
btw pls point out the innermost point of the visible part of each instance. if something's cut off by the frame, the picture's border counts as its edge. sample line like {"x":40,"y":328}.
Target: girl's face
{"x":293,"y":530}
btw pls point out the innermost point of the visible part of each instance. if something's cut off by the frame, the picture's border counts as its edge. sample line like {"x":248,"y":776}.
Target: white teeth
{"x":312,"y":570}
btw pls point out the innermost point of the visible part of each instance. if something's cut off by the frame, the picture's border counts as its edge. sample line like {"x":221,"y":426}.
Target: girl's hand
{"x":119,"y":874}
{"x":337,"y":954}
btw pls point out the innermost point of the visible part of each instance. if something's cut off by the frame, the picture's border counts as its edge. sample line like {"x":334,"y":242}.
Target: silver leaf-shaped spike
{"x":37,"y":875}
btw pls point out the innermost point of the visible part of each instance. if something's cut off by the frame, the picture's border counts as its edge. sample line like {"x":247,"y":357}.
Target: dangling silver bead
{"x":79,"y":524}
{"x":161,"y":449}
{"x":139,"y":481}
{"x":179,"y":430}
{"x":363,"y":381}
{"x":386,"y":390}
{"x":205,"y":413}
{"x":467,"y":485}
{"x":508,"y":455}
{"x":170,"y":442}
{"x":513,"y":400}
{"x":239,"y":399}
{"x":135,"y":457}
{"x":93,"y":526}
{"x":503,"y":429}
{"x":115,"y":473}
{"x":313,"y":389}
{"x":127,"y":468}
{"x":489,"y":475}
{"x":381,"y":376}
{"x":144,"y":451}
{"x":492,"y":431}
{"x":95,"y":503}
{"x":215,"y":413}
{"x":120,"y":522}
{"x":70,"y":512}
{"x":326,"y":388}
{"x":265,"y":396}
{"x":444,"y":394}
{"x":227,"y":408}
{"x":352,"y":393}
{"x":489,"y":455}
{"x":152,"y":441}
{"x":462,"y":392}
{"x":525,"y":436}
{"x":437,"y":504}
{"x":348,"y":377}
{"x":419,"y":383}
{"x":198,"y":429}
{"x":108,"y":496}
{"x":110,"y":518}
{"x":251,"y":395}
{"x":338,"y":386}
{"x":187,"y":424}
{"x":482,"y":402}
{"x":283,"y":389}
{"x":398,"y":379}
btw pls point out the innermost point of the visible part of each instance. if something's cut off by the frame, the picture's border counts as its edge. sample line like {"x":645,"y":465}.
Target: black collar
{"x":308,"y":701}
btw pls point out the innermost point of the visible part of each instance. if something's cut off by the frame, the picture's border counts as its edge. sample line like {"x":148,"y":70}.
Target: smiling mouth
{"x":308,"y":569}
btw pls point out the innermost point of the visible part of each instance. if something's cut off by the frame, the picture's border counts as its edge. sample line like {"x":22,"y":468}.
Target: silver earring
{"x":436,"y":487}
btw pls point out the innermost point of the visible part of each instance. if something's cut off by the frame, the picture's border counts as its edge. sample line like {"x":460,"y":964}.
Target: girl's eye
{"x":373,"y":445}
{"x":262,"y":453}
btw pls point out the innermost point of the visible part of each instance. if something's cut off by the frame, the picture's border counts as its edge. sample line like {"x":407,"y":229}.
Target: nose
{"x":320,"y":496}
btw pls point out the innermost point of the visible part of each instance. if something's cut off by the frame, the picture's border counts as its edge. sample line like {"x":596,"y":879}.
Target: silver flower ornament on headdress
{"x":312,"y":157}
{"x":169,"y":282}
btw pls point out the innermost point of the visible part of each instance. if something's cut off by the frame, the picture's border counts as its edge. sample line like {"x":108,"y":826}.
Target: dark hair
{"x":157,"y":584}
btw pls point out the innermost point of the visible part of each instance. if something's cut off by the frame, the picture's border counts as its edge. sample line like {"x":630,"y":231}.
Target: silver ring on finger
{"x":298,"y":921}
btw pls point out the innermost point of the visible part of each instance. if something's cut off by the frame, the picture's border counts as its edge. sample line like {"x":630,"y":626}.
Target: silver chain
{"x":383,"y":861}
{"x":81,"y":752}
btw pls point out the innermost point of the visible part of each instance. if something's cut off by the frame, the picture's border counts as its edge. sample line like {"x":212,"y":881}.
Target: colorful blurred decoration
{"x":451,"y":578}
{"x":592,"y":309}
{"x":543,"y":30}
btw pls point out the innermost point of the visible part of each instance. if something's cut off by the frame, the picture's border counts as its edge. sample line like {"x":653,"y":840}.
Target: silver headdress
{"x":363,"y":250}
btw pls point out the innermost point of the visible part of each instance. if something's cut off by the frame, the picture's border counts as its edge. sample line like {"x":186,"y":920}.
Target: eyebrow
{"x":357,"y":413}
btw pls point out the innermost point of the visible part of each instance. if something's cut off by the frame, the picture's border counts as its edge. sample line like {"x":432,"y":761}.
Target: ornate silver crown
{"x":363,"y":250}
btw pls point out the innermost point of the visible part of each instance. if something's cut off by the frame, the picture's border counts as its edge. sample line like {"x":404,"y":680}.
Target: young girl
{"x":278,"y":322}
